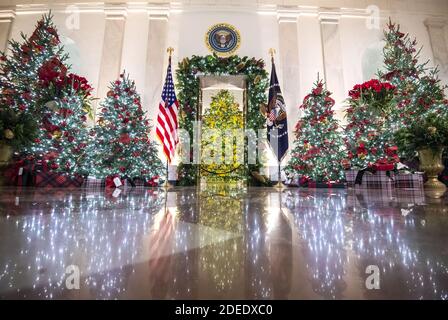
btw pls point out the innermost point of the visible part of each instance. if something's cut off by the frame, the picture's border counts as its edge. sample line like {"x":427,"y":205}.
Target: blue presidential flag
{"x":276,"y":120}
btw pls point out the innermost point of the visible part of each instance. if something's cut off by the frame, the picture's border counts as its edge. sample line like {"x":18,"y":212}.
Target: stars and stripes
{"x":167,"y":125}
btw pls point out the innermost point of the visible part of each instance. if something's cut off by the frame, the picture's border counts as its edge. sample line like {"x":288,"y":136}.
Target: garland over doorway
{"x":188,"y":96}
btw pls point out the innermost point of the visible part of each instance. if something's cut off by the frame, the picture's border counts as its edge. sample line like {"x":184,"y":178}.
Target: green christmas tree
{"x":368,"y":137}
{"x":419,"y":90}
{"x":35,"y":81}
{"x":19,"y":70}
{"x":224,"y":122}
{"x":121,"y":146}
{"x":318,"y":151}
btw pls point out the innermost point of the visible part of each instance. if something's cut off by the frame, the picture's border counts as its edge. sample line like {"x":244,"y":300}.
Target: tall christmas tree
{"x":19,"y":70}
{"x":122,"y":146}
{"x":36,"y":81}
{"x":419,"y":90}
{"x":367,"y":136}
{"x":319,"y":148}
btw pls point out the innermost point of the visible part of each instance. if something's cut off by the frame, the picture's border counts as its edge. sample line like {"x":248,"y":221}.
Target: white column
{"x":156,"y":63}
{"x":112,"y":47}
{"x":6,"y":21}
{"x":156,"y":60}
{"x":436,"y":29}
{"x":332,"y":52}
{"x":311,"y":60}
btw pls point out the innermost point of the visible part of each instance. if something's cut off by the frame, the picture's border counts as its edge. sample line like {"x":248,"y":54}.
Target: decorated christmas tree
{"x":224,"y":122}
{"x":121,"y":146}
{"x":319,"y":148}
{"x":367,"y":136}
{"x":419,"y":90}
{"x":19,"y":70}
{"x":36,"y":82}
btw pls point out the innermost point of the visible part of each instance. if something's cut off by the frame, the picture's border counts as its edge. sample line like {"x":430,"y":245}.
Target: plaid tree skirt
{"x":57,"y":180}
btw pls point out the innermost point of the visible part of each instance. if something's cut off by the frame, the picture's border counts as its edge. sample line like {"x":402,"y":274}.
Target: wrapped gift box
{"x":369,"y":180}
{"x":292,"y":182}
{"x":57,"y":180}
{"x":21,"y":173}
{"x":136,"y":183}
{"x":409,"y":181}
{"x":113,"y":182}
{"x":93,"y":183}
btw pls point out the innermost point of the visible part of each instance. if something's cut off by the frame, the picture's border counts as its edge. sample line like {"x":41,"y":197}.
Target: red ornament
{"x":124,"y":138}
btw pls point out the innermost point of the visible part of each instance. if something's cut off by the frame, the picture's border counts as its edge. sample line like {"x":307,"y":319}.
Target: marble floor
{"x":222,"y":242}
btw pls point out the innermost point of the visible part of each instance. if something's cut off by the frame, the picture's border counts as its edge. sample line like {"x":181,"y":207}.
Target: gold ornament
{"x":52,"y":105}
{"x":57,"y":134}
{"x":240,"y":66}
{"x":257,"y":79}
{"x":432,"y":130}
{"x":185,"y":63}
{"x":8,"y":134}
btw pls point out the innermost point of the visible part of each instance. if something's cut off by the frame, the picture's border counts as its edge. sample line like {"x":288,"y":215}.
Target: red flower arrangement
{"x":369,"y":87}
{"x":50,"y":71}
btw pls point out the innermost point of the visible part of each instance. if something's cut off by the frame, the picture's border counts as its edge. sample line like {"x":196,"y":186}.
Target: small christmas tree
{"x":367,"y":136}
{"x":319,"y":148}
{"x":122,"y":146}
{"x":419,"y":90}
{"x":19,"y":70}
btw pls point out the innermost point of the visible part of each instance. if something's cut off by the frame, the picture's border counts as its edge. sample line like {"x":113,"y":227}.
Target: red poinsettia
{"x":371,"y":87}
{"x":125,"y":138}
{"x":50,"y":71}
{"x":362,"y":150}
{"x":79,"y":84}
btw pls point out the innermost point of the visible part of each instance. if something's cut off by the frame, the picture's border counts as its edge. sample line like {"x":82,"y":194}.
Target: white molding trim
{"x":164,"y":9}
{"x":115,"y":12}
{"x":436,"y":22}
{"x":7,"y":15}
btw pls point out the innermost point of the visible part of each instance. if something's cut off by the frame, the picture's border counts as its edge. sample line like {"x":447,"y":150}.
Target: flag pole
{"x":167,"y":185}
{"x":279,"y":183}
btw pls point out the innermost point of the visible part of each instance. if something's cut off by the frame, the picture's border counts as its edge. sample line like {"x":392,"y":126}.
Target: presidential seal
{"x":223,"y":39}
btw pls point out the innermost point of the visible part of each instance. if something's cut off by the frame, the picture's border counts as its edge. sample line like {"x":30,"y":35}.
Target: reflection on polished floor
{"x":222,"y":243}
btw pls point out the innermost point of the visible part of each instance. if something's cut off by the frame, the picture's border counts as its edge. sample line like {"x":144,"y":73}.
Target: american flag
{"x":166,"y":129}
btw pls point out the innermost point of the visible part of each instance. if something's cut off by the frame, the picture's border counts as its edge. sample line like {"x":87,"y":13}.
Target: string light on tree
{"x":121,"y":146}
{"x":319,"y":148}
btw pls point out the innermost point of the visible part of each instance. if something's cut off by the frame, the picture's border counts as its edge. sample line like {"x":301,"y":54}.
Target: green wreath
{"x":188,"y":96}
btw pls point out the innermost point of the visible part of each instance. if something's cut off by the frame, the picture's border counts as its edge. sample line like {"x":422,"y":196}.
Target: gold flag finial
{"x":272,"y":52}
{"x":170,"y":50}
